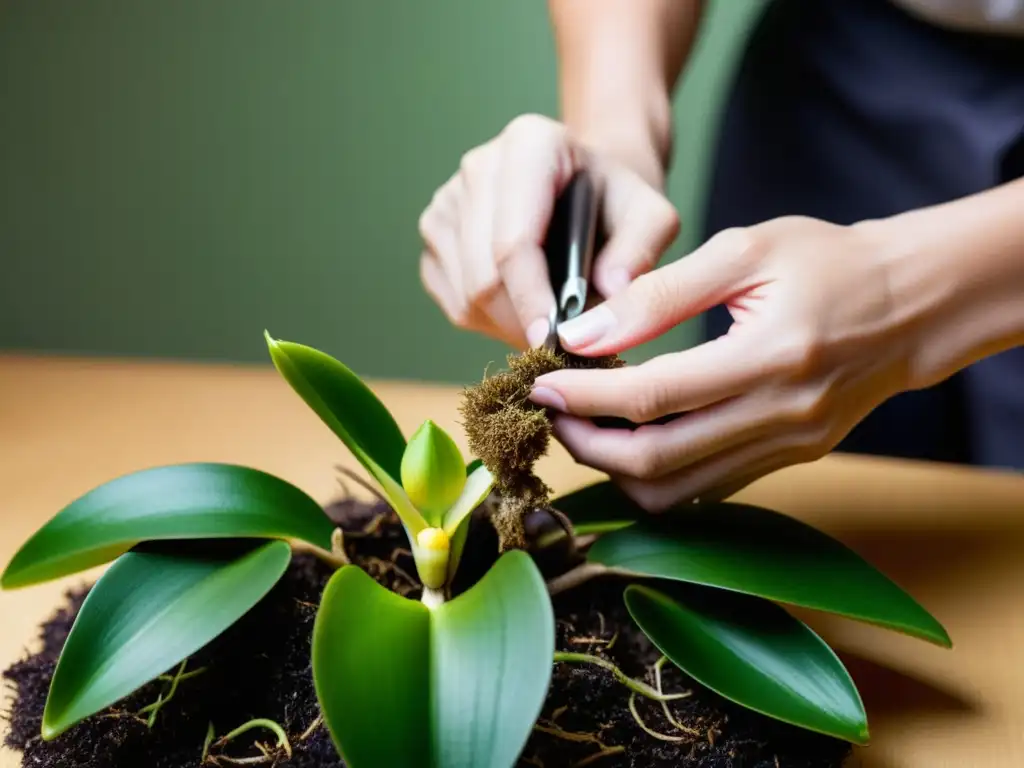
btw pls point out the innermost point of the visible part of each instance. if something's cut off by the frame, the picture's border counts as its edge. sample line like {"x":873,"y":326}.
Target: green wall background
{"x":177,"y":176}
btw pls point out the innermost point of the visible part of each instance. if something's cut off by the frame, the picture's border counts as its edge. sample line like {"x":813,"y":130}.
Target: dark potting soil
{"x":260,"y":668}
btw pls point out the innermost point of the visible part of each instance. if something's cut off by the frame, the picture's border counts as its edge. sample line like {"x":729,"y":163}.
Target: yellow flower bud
{"x":433,"y":471}
{"x":434,"y":539}
{"x":430,"y":551}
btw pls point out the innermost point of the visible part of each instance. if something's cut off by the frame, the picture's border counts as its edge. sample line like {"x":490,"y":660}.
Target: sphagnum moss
{"x":509,"y":433}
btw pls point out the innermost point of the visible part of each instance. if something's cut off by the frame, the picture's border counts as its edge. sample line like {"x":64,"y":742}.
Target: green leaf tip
{"x":754,"y":653}
{"x":352,"y":411}
{"x":433,"y":471}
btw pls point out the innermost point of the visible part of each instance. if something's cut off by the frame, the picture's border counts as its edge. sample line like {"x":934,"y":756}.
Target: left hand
{"x":819,"y":339}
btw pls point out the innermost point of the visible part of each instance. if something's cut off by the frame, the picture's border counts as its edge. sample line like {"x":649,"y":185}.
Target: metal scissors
{"x":569,"y":248}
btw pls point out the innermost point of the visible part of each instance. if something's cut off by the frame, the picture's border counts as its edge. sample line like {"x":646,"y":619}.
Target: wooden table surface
{"x":953,"y":537}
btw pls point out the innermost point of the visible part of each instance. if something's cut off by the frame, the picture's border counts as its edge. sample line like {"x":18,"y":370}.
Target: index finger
{"x":676,"y":382}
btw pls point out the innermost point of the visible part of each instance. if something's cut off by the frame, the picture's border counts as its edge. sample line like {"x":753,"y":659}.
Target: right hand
{"x":483,"y":260}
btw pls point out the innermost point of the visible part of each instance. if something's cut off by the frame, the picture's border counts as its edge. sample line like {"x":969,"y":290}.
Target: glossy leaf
{"x":599,"y":508}
{"x":150,"y":610}
{"x":760,"y":552}
{"x":464,"y":681}
{"x":354,"y":413}
{"x":473,"y":466}
{"x":183,"y":501}
{"x":433,"y":472}
{"x":755,"y":654}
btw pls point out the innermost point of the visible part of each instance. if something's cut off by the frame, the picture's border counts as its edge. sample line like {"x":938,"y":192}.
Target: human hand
{"x":818,"y":340}
{"x":483,"y":261}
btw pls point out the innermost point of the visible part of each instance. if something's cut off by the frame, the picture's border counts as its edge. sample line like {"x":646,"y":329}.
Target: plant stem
{"x":581,"y":574}
{"x":282,"y":737}
{"x":432,"y":598}
{"x":638,"y":686}
{"x":337,"y":557}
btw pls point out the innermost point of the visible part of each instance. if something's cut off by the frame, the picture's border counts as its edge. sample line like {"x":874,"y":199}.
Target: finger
{"x":439,"y":231}
{"x":715,"y":475}
{"x":673,"y":383}
{"x":642,"y":224}
{"x":436,"y":283}
{"x":440,"y":289}
{"x":485,"y":292}
{"x":658,"y":301}
{"x":535,"y":167}
{"x":656,"y":451}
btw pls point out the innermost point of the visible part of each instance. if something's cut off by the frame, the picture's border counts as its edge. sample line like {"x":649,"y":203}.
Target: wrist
{"x":634,"y":131}
{"x":956,"y":280}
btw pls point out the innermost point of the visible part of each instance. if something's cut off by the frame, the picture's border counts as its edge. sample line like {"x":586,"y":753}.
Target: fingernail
{"x":537,"y":332}
{"x":617,"y":281}
{"x":548,"y":398}
{"x":588,"y":327}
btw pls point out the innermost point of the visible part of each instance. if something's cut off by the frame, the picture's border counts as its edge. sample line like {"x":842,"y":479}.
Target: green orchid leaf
{"x":752,"y":652}
{"x":433,"y":472}
{"x":465,"y":680}
{"x":764,"y":553}
{"x":456,"y":522}
{"x":182,"y":501}
{"x":599,"y":508}
{"x":354,"y":413}
{"x":458,"y":545}
{"x":473,"y":466}
{"x":150,"y":610}
{"x":478,"y":486}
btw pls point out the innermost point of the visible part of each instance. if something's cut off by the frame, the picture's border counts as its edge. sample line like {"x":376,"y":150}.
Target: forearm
{"x":958,"y":272}
{"x":619,"y":61}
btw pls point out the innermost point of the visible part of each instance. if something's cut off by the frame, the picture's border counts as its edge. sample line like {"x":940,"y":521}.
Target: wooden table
{"x":953,"y":537}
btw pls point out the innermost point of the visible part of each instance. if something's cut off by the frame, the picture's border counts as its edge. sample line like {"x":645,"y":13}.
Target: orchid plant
{"x":193,"y":547}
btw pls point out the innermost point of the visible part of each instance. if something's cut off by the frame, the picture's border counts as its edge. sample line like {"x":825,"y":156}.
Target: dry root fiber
{"x":509,"y":433}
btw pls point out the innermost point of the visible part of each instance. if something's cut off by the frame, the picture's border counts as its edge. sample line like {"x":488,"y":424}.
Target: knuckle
{"x":647,"y":404}
{"x":480,"y":292}
{"x":528,"y":125}
{"x":809,"y":408}
{"x":654,"y":292}
{"x":646,"y":458}
{"x":665,"y":218}
{"x":650,"y":498}
{"x":428,"y":224}
{"x":472,"y":161}
{"x":799,"y":355}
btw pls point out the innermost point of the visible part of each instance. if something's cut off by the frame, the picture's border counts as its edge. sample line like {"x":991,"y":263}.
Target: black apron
{"x":847,"y":110}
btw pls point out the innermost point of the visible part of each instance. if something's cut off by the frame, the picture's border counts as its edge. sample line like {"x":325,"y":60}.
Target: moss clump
{"x":509,"y":433}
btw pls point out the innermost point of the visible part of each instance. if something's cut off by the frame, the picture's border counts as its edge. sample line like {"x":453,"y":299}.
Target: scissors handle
{"x":569,"y":245}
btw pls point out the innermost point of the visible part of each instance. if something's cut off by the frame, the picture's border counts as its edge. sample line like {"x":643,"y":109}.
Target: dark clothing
{"x":846,"y":110}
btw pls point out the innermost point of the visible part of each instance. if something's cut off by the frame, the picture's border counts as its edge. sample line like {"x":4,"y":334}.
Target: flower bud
{"x":430,"y":550}
{"x":433,"y":471}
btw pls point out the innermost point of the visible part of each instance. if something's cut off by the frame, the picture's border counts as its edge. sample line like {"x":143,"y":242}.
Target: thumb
{"x":642,"y":225}
{"x":658,"y":301}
